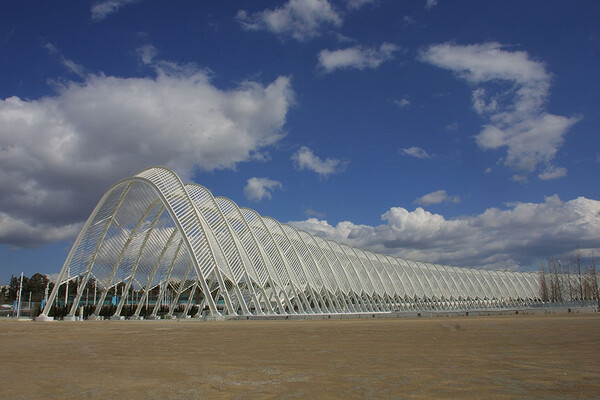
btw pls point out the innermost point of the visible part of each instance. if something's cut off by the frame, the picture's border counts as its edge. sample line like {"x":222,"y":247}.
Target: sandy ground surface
{"x":502,"y":357}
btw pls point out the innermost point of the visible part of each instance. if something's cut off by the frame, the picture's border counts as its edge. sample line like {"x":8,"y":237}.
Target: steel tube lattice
{"x":151,"y":234}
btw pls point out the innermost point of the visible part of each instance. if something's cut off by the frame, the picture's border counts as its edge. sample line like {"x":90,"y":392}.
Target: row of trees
{"x":36,"y":285}
{"x":572,"y":279}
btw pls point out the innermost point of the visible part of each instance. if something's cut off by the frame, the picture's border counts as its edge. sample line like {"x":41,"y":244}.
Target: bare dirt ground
{"x":502,"y":357}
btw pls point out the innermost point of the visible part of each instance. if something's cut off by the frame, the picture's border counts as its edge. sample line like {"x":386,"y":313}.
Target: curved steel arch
{"x":152,"y":232}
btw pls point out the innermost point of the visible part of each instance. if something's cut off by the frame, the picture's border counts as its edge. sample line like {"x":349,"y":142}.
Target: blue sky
{"x":463,"y":133}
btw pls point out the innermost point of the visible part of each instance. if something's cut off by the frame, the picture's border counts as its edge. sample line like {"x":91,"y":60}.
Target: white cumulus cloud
{"x":304,"y":158}
{"x":518,"y":237}
{"x":356,"y":57}
{"x":300,"y":19}
{"x":58,"y":154}
{"x":510,"y":92}
{"x":257,"y":189}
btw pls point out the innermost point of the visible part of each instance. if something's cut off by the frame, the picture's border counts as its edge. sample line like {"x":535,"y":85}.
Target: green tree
{"x":13,"y":287}
{"x":36,"y":285}
{"x":4,"y":295}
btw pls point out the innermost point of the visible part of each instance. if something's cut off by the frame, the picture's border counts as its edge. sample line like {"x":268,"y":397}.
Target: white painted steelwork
{"x":151,"y":233}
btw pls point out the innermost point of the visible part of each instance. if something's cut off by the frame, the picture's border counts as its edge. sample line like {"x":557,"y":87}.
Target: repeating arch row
{"x":154,"y":236}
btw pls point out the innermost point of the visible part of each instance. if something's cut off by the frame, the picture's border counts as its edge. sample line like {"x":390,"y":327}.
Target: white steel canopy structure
{"x":150,"y":233}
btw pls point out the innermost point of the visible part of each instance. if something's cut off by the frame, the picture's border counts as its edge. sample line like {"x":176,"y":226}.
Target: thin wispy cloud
{"x":452,"y":127}
{"x":356,"y":57}
{"x":309,"y":212}
{"x":519,"y":178}
{"x":429,"y":4}
{"x":415,"y":151}
{"x":409,"y":20}
{"x":147,"y":54}
{"x":356,"y":4}
{"x":102,"y":9}
{"x":515,"y":115}
{"x":553,"y":173}
{"x":70,"y":65}
{"x":404,"y":102}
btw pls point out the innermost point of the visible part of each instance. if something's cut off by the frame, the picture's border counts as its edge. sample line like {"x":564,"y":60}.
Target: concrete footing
{"x":43,"y":318}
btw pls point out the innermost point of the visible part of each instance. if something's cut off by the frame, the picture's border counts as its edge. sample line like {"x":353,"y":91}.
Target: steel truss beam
{"x":151,"y":232}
